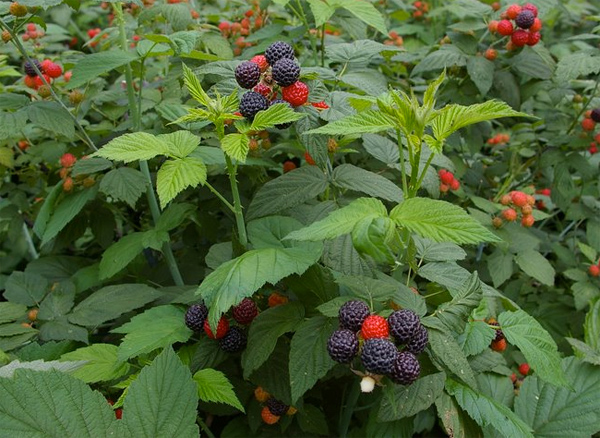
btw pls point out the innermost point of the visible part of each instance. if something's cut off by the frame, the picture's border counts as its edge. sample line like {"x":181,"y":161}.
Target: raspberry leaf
{"x":213,"y":386}
{"x":440,"y":221}
{"x":575,"y":65}
{"x":134,"y":147}
{"x":101,"y":363}
{"x":194,"y":87}
{"x":536,"y":265}
{"x":454,"y":419}
{"x":124,"y":184}
{"x":350,"y":177}
{"x":400,"y":401}
{"x":91,"y":66}
{"x":369,"y":121}
{"x":236,"y":146}
{"x":277,"y":114}
{"x":535,"y":343}
{"x":176,"y":175}
{"x":454,"y":313}
{"x":364,"y":11}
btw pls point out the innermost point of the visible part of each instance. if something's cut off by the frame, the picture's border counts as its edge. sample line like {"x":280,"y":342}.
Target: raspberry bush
{"x":299,"y":218}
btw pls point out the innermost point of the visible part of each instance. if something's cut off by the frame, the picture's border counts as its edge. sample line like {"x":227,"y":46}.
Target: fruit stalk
{"x":135,"y":116}
{"x":237,"y":203}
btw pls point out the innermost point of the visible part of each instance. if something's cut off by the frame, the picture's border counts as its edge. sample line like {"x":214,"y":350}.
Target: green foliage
{"x":213,"y":386}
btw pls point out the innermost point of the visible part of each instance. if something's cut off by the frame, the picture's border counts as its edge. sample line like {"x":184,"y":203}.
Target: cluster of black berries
{"x":231,"y":339}
{"x":276,"y":67}
{"x":394,"y":356}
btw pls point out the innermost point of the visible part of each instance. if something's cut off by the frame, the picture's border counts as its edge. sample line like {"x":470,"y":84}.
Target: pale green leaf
{"x":213,"y":386}
{"x":155,"y":328}
{"x":9,"y":370}
{"x":364,"y":11}
{"x":194,"y":87}
{"x":181,"y":143}
{"x":537,"y":266}
{"x":277,"y":114}
{"x":100,"y":365}
{"x":236,"y":146}
{"x":133,"y":147}
{"x":370,"y":121}
{"x":440,"y":221}
{"x":321,"y":10}
{"x":176,"y":175}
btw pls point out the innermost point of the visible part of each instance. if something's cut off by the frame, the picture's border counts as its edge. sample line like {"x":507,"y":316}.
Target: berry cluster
{"x":524,"y":370}
{"x":526,"y":27}
{"x":377,"y":340}
{"x":588,"y":124}
{"x":499,"y":342}
{"x":17,"y":10}
{"x":49,"y":70}
{"x":268,"y":74}
{"x":448,"y":181}
{"x":517,"y":202}
{"x":499,"y":139}
{"x":421,"y":8}
{"x":32,"y":32}
{"x":394,"y":40}
{"x":67,"y":161}
{"x":252,"y":20}
{"x":274,"y":409}
{"x":232,"y":339}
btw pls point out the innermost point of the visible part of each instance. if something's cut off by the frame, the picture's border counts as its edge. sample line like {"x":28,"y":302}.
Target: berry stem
{"x":16,"y":41}
{"x":204,"y":427}
{"x":136,"y":125}
{"x":237,"y":204}
{"x":402,"y":166}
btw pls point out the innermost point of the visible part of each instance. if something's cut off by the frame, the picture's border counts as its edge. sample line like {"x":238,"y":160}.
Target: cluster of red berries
{"x":516,"y":202}
{"x":448,"y":181}
{"x":273,"y":409}
{"x":526,"y":27}
{"x":67,"y":161}
{"x":49,"y":70}
{"x":118,"y":411}
{"x":394,"y":40}
{"x":540,"y":204}
{"x":93,"y":35}
{"x":421,"y":8}
{"x":594,"y":270}
{"x":32,"y":32}
{"x":588,"y":124}
{"x":499,"y":342}
{"x":253,"y":20}
{"x":499,"y":139}
{"x":517,"y":381}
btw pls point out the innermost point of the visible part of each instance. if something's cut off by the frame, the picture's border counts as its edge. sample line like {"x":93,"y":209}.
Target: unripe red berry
{"x":505,"y":28}
{"x":594,"y":270}
{"x":509,"y":214}
{"x":491,"y":54}
{"x":588,"y":124}
{"x":513,"y":11}
{"x":524,"y":369}
{"x":518,"y":198}
{"x":527,"y":220}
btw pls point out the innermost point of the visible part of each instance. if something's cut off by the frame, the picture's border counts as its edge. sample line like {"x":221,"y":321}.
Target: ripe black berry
{"x":247,"y":74}
{"x":525,"y":19}
{"x":233,"y":341}
{"x":29,"y":71}
{"x":251,"y":103}
{"x":403,"y":325}
{"x":419,"y":341}
{"x":378,"y":355}
{"x":352,"y":315}
{"x":278,"y":50}
{"x":285,"y":72}
{"x":245,"y":311}
{"x":195,"y":316}
{"x":596,"y":115}
{"x":405,"y":369}
{"x":282,"y":125}
{"x":277,"y":407}
{"x":342,"y":345}
{"x":499,"y":332}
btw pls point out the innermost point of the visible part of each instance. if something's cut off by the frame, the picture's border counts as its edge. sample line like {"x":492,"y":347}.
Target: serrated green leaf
{"x":155,"y":328}
{"x":476,"y":337}
{"x":6,"y":157}
{"x":341,"y":221}
{"x":90,"y":165}
{"x":194,"y":87}
{"x":365,"y":12}
{"x":309,"y":359}
{"x":481,"y":72}
{"x":488,"y":412}
{"x":454,"y":313}
{"x":213,"y":386}
{"x":25,"y":288}
{"x":500,"y":266}
{"x":93,"y":65}
{"x":133,"y":147}
{"x":162,"y":401}
{"x":370,"y":121}
{"x":277,"y":114}
{"x":236,"y":146}
{"x":124,"y":184}
{"x":447,"y":352}
{"x":348,"y":176}
{"x":120,"y":254}
{"x":535,"y":343}
{"x":440,"y":221}
{"x":52,"y":117}
{"x":266,"y":328}
{"x":321,"y":10}
{"x":9,"y":370}
{"x":176,"y":175}
{"x":535,"y":264}
{"x":100,"y":365}
{"x":575,"y":65}
{"x":181,"y":143}
{"x":11,"y":311}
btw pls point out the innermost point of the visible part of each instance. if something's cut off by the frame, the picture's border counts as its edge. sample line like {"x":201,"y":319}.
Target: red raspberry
{"x":454,"y":185}
{"x":38,"y":81}
{"x":509,"y":214}
{"x":268,"y":417}
{"x":309,"y":159}
{"x":588,"y":125}
{"x":263,"y":89}
{"x":93,"y":32}
{"x":53,"y":70}
{"x":524,"y":369}
{"x":527,"y":220}
{"x":545,"y":192}
{"x":520,"y":37}
{"x":375,"y":326}
{"x":222,"y":328}
{"x":261,"y":61}
{"x":593,"y":149}
{"x":533,"y":38}
{"x":493,"y":26}
{"x":446,"y":177}
{"x":320,"y":105}
{"x":491,"y":54}
{"x":499,"y":345}
{"x":288,"y":166}
{"x":518,"y":198}
{"x":31,"y":27}
{"x":67,"y":160}
{"x":29,"y":81}
{"x":536,"y":26}
{"x":505,"y":28}
{"x":444,"y":188}
{"x":531,"y":7}
{"x":296,"y":94}
{"x":594,"y":270}
{"x":45,"y":64}
{"x":224,"y":26}
{"x":513,"y":11}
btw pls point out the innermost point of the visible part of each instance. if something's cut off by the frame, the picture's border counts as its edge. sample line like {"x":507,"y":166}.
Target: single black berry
{"x":405,"y":369}
{"x":245,"y":311}
{"x":352,"y":315}
{"x":29,"y":71}
{"x":195,"y":316}
{"x":233,"y":341}
{"x":499,"y":332}
{"x":277,"y":407}
{"x":525,"y":19}
{"x":419,"y":341}
{"x":278,"y":50}
{"x":403,"y":325}
{"x":247,"y":74}
{"x":282,"y":125}
{"x":342,"y":345}
{"x":378,"y":355}
{"x":285,"y":72}
{"x":251,"y":103}
{"x":596,"y":115}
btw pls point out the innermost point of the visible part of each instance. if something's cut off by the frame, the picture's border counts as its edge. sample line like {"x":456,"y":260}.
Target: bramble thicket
{"x":302,"y":218}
